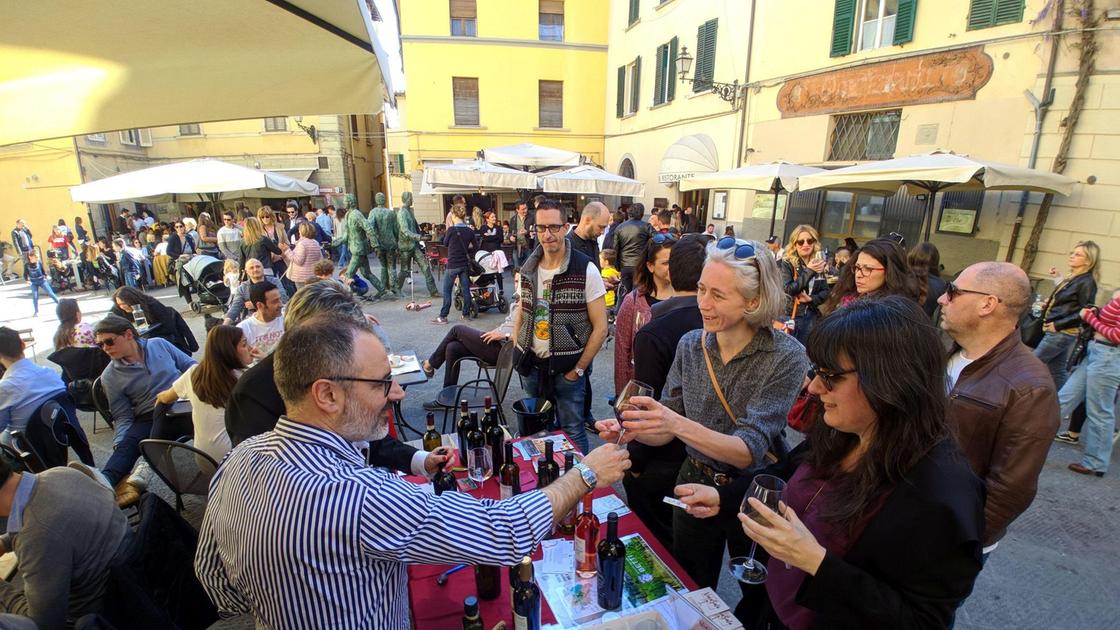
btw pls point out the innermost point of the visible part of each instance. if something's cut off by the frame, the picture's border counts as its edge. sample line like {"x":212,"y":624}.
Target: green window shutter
{"x":635,"y":6}
{"x":619,"y":110}
{"x":843,"y":21}
{"x":904,"y":21}
{"x":400,"y":163}
{"x":1009,"y":11}
{"x":981,"y":14}
{"x":672,"y":69}
{"x":659,"y":77}
{"x":636,"y":89}
{"x":705,"y":56}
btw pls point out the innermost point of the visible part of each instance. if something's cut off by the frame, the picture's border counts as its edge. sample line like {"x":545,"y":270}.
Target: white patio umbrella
{"x":936,"y":172}
{"x":773,"y":177}
{"x":531,"y":156}
{"x":478,"y":174}
{"x":73,"y":67}
{"x":589,"y":180}
{"x":194,"y":180}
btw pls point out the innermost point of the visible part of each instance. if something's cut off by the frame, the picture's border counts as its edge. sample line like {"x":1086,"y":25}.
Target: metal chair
{"x":80,"y":366}
{"x":54,"y":429}
{"x":101,"y":402}
{"x":476,"y":390}
{"x":184,"y":468}
{"x":26,"y":452}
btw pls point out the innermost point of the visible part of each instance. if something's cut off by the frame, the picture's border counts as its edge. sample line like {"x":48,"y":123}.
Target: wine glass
{"x":139,"y":320}
{"x":622,"y":403}
{"x":480,"y":464}
{"x":769,"y":490}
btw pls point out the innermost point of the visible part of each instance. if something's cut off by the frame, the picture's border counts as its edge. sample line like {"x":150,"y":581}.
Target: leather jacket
{"x":807,"y":281}
{"x":1067,"y":300}
{"x":1004,"y":410}
{"x":630,"y":241}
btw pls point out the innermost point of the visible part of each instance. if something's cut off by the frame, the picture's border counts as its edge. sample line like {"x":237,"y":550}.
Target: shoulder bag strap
{"x":796,"y":302}
{"x":719,"y":390}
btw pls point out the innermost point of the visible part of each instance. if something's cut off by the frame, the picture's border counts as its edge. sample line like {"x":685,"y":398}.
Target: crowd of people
{"x":921,"y":407}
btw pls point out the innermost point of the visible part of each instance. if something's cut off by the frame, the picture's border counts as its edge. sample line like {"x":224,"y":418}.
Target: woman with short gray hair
{"x":727,"y":393}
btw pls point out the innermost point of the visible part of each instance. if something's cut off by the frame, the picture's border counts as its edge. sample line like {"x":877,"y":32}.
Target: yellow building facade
{"x":512,"y":72}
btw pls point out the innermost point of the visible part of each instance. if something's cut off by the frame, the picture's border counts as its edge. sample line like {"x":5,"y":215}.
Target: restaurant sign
{"x":951,"y":75}
{"x":669,"y":178}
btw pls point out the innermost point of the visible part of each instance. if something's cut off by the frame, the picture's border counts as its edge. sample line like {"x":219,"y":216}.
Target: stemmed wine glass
{"x":769,"y":490}
{"x":480,"y":464}
{"x":622,"y":403}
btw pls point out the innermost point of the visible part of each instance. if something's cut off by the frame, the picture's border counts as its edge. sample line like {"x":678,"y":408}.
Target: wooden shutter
{"x":635,"y":6}
{"x":465,"y":93}
{"x":620,"y":105}
{"x":659,"y":77}
{"x":552,"y":6}
{"x":672,"y":92}
{"x":904,"y":21}
{"x":1009,"y":11}
{"x":463,"y":9}
{"x":550,"y":103}
{"x":981,"y":14}
{"x":705,"y":56}
{"x":843,"y":20}
{"x":636,"y":88}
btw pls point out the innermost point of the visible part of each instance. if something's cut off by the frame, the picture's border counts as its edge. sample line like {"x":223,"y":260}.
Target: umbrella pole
{"x":929,"y":213}
{"x":774,"y":209}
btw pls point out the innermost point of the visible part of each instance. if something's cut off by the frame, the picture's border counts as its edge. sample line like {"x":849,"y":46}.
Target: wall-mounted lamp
{"x":309,"y":130}
{"x":727,"y":91}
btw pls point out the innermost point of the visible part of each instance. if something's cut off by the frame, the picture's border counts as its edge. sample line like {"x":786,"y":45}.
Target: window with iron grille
{"x":465,"y":95}
{"x":463,"y":17}
{"x":864,"y":136}
{"x":550,"y":101}
{"x":276,"y":123}
{"x":552,"y":20}
{"x":190,"y":130}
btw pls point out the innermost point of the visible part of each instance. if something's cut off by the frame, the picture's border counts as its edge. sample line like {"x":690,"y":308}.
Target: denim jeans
{"x":568,"y":398}
{"x":46,"y":286}
{"x":1095,"y":381}
{"x":448,"y":286}
{"x":126,"y":448}
{"x":343,"y":256}
{"x":1054,"y":351}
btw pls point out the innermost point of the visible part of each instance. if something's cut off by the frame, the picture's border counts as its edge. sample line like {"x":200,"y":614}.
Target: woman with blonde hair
{"x":726,"y":396}
{"x":1061,"y":315}
{"x":304,"y":255}
{"x":804,"y":280}
{"x":207,"y":235}
{"x":256,"y":244}
{"x":276,"y":234}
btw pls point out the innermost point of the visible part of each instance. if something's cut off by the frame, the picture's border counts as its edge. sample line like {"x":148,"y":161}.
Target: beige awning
{"x":773,"y":177}
{"x":477,"y":175}
{"x":589,"y":180}
{"x":73,"y":67}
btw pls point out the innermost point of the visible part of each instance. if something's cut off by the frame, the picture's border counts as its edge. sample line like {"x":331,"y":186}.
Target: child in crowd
{"x":33,"y":273}
{"x":611,"y":276}
{"x":231,"y":274}
{"x":323,"y":270}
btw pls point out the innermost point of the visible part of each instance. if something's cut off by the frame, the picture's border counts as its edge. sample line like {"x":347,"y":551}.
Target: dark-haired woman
{"x":880,"y":269}
{"x":651,"y":285}
{"x":72,"y":331}
{"x":883,"y":520}
{"x":171,"y":324}
{"x":925,"y":262}
{"x":208,"y":386}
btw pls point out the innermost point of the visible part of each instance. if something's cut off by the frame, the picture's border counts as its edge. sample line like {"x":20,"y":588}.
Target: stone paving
{"x":1058,"y":567}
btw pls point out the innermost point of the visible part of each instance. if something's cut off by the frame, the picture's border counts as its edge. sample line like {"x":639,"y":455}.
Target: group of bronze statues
{"x":395,"y":236}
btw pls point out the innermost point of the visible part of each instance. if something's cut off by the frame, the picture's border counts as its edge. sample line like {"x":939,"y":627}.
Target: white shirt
{"x":957,"y":363}
{"x":161,"y":249}
{"x":593,"y":290}
{"x":210,"y":434}
{"x":262,"y":337}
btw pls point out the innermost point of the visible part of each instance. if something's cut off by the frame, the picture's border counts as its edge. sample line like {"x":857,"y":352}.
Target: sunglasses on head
{"x":743,"y":249}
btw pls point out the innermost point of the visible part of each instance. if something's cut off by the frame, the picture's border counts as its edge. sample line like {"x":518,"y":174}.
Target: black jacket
{"x":584,"y":246}
{"x":490,"y":238}
{"x":461,"y":245}
{"x":630,"y":241}
{"x":808,"y":281}
{"x":172,"y":326}
{"x":255,"y":406}
{"x":262,"y":250}
{"x":935,"y":287}
{"x":176,"y":246}
{"x":1068,"y":299}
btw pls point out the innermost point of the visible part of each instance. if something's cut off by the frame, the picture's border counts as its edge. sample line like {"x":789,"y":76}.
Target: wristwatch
{"x":580,"y":372}
{"x":587,"y":475}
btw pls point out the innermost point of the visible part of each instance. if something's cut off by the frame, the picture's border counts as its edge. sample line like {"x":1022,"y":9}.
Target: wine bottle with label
{"x":488,"y":581}
{"x":612,"y":556}
{"x":586,"y":540}
{"x":547,"y":468}
{"x":432,"y":439}
{"x":444,"y":481}
{"x":495,"y":436}
{"x":508,"y":473}
{"x":526,"y":599}
{"x":472,"y":618}
{"x":462,"y":427}
{"x":567,"y":524}
{"x":475,"y":437}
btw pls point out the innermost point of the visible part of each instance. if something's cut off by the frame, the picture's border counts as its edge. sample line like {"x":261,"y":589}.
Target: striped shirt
{"x":301,"y":534}
{"x":1107,"y":322}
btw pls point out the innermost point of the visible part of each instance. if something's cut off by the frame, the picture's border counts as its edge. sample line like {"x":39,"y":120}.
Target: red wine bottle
{"x":567,"y":525}
{"x":547,"y":468}
{"x":462,"y":427}
{"x":508,"y":473}
{"x":612,"y":557}
{"x":475,"y":437}
{"x":495,"y":436}
{"x":488,"y":581}
{"x":444,"y":481}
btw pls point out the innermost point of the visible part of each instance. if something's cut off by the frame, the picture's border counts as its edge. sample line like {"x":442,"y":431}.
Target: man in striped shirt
{"x":300,"y":533}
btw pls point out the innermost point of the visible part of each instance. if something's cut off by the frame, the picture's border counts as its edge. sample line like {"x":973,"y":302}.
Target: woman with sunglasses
{"x":803,"y":279}
{"x":651,"y":285}
{"x":1062,"y":312}
{"x":883,"y":517}
{"x":275,"y":234}
{"x":880,"y":269}
{"x":726,"y":396}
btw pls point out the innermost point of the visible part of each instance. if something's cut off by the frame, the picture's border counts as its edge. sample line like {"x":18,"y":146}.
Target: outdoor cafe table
{"x":437,"y":607}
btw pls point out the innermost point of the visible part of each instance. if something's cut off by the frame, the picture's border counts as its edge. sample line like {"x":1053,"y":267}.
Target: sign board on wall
{"x":764,"y":206}
{"x":719,"y":204}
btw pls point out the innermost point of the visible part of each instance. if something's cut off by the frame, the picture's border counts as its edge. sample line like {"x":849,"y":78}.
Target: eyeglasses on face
{"x":552,"y":228}
{"x":953,"y":291}
{"x":660,"y":238}
{"x":827,"y":377}
{"x":106,"y":342}
{"x":866,"y":270}
{"x":743,"y":249}
{"x":806,"y":241}
{"x":386,"y":383}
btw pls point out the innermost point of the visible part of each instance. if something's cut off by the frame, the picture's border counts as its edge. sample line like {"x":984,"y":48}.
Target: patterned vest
{"x":569,"y":325}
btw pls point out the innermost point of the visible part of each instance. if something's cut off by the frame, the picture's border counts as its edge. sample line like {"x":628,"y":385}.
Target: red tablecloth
{"x":440,"y":607}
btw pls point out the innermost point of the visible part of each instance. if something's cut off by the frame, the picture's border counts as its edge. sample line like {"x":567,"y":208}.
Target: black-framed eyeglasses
{"x":953,"y":291}
{"x":386,"y":383}
{"x":553,"y":228}
{"x":743,"y":249}
{"x":664,"y":237}
{"x":827,"y":377}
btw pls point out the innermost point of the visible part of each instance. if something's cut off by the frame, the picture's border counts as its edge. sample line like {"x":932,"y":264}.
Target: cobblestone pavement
{"x":1058,"y":567}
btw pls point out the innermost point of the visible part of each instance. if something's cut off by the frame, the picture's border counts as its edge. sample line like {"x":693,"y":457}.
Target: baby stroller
{"x":485,"y":290}
{"x":105,"y":274}
{"x":62,"y":277}
{"x":203,"y":274}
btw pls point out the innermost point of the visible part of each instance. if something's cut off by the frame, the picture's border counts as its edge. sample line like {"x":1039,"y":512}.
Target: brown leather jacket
{"x":1005,"y":412}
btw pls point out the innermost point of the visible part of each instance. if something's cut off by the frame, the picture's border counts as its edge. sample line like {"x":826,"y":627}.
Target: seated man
{"x":264,"y":329}
{"x":261,"y":546}
{"x":67,"y":531}
{"x":25,"y":385}
{"x":140,"y":369}
{"x":239,"y":301}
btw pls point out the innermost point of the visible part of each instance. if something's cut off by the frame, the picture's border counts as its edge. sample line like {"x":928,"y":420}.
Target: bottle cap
{"x":470,"y":606}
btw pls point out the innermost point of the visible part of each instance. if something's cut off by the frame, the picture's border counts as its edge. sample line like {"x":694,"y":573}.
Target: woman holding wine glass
{"x":726,"y":396}
{"x":880,"y":525}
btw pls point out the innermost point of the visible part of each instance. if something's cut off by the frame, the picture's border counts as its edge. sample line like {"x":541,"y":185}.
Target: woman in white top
{"x":208,"y":386}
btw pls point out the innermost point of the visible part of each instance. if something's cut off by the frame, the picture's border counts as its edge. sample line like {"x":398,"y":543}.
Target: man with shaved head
{"x":593,"y":222}
{"x":1002,"y":401}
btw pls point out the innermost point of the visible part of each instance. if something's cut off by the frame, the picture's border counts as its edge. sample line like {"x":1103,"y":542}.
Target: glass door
{"x":852,"y":215}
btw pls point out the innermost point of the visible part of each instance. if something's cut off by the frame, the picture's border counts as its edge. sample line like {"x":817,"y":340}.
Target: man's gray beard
{"x":354,"y":423}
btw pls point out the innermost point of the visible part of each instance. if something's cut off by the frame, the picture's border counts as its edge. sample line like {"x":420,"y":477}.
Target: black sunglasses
{"x":743,"y":249}
{"x":953,"y":291}
{"x":827,"y":377}
{"x":106,"y":343}
{"x":386,"y":383}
